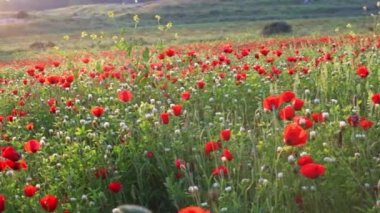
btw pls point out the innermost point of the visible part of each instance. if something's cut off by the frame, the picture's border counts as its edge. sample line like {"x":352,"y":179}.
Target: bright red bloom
{"x":29,"y":126}
{"x":365,"y":123}
{"x":362,"y":71}
{"x":201,"y":84}
{"x":177,"y":109}
{"x":287,"y":96}
{"x":97,"y":111}
{"x":125,"y":95}
{"x":6,"y":164}
{"x":49,"y":203}
{"x":10,"y":153}
{"x":52,"y":102}
{"x":312,"y":170}
{"x":193,"y":209}
{"x":30,"y":190}
{"x":303,"y":121}
{"x":179,"y":163}
{"x":271,"y":102}
{"x":53,"y":109}
{"x":286,"y":113}
{"x":32,"y":146}
{"x":185,"y":95}
{"x":297,"y":104}
{"x":318,"y":117}
{"x":376,"y":98}
{"x":164,"y":117}
{"x":170,"y":52}
{"x":220,"y":171}
{"x":212,"y":146}
{"x":303,"y":160}
{"x":115,"y":186}
{"x":21,"y":165}
{"x":295,"y":135}
{"x":225,"y":134}
{"x":53,"y":79}
{"x":353,"y":120}
{"x":2,"y":203}
{"x":227,"y":154}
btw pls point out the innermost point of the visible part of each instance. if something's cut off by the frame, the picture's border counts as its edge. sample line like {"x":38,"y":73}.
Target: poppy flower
{"x":32,"y":146}
{"x":53,"y":109}
{"x":52,"y":102}
{"x":30,"y":190}
{"x":297,"y":104}
{"x":115,"y":186}
{"x":193,"y":209}
{"x":164,"y":117}
{"x":295,"y":135}
{"x":286,"y":113}
{"x":271,"y":103}
{"x":49,"y":203}
{"x":220,"y":171}
{"x":125,"y":95}
{"x":318,"y":117}
{"x":101,"y":173}
{"x":2,"y":203}
{"x":362,"y":71}
{"x":185,"y":95}
{"x":353,"y":120}
{"x":303,"y":160}
{"x":179,"y":163}
{"x":225,"y":134}
{"x":21,"y":165}
{"x":312,"y":170}
{"x":376,"y":98}
{"x":287,"y":96}
{"x":97,"y":111}
{"x":29,"y":126}
{"x":303,"y":121}
{"x":365,"y":124}
{"x":212,"y":146}
{"x":6,"y":164}
{"x":10,"y":153}
{"x":201,"y":84}
{"x":177,"y":109}
{"x":170,"y":52}
{"x":227,"y":154}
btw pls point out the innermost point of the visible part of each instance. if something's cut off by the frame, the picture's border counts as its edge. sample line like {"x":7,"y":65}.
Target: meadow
{"x":195,"y":118}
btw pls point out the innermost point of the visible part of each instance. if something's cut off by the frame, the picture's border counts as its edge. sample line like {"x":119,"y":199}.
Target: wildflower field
{"x":105,"y":122}
{"x":278,"y":125}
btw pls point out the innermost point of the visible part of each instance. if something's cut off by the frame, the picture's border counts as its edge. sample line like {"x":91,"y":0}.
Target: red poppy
{"x":212,"y":146}
{"x":306,"y":159}
{"x":225,"y":134}
{"x":32,"y":146}
{"x":30,"y":190}
{"x":227,"y":154}
{"x":271,"y":102}
{"x":101,"y":173}
{"x":318,"y":117}
{"x":164,"y":117}
{"x":295,"y":135}
{"x":10,"y":153}
{"x":29,"y":126}
{"x":125,"y":95}
{"x":49,"y":203}
{"x":21,"y":165}
{"x":52,"y":102}
{"x":53,"y":109}
{"x":287,"y":96}
{"x":193,"y":209}
{"x":2,"y":203}
{"x":185,"y":95}
{"x":201,"y":84}
{"x":115,"y":186}
{"x":53,"y":79}
{"x":220,"y":171}
{"x":177,"y":109}
{"x":179,"y":163}
{"x":376,"y":98}
{"x":297,"y":104}
{"x":286,"y":113}
{"x":362,"y":71}
{"x":170,"y":52}
{"x":353,"y":120}
{"x":312,"y":170}
{"x":365,"y":124}
{"x":6,"y":164}
{"x":97,"y":111}
{"x":303,"y":121}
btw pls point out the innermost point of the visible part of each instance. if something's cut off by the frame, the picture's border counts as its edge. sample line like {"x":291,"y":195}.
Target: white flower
{"x":291,"y":158}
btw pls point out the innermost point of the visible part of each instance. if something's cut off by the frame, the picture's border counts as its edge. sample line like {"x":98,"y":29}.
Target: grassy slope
{"x":194,"y":20}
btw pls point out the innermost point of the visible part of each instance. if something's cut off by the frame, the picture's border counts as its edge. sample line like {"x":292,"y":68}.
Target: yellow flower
{"x":93,"y":36}
{"x":84,"y":34}
{"x":157,"y":17}
{"x":176,"y":36}
{"x":66,"y":37}
{"x":111,"y":14}
{"x":169,"y":25}
{"x":348,"y":25}
{"x":136,"y":18}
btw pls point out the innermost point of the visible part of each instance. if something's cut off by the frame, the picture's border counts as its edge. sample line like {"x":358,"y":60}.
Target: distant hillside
{"x":16,"y":5}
